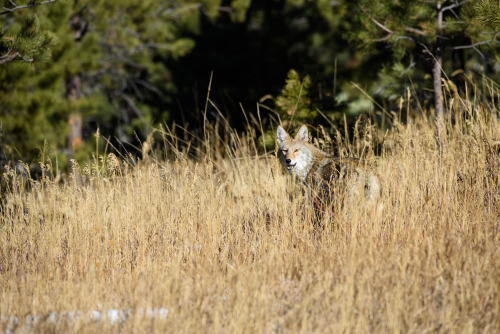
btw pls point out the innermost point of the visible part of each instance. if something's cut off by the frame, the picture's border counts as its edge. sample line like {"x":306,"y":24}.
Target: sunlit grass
{"x":227,"y":242}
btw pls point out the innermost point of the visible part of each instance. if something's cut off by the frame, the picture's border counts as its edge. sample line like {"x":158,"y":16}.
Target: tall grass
{"x":228,"y":243}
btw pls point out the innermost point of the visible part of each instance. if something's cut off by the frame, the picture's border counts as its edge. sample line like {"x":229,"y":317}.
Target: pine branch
{"x":487,"y":13}
{"x":29,"y":44}
{"x":390,"y":33}
{"x":380,"y":25}
{"x":12,"y":56}
{"x":16,"y":7}
{"x":416,"y":31}
{"x":455,"y":5}
{"x":493,"y":40}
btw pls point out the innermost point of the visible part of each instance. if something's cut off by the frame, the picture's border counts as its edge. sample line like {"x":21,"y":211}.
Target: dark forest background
{"x":74,"y":68}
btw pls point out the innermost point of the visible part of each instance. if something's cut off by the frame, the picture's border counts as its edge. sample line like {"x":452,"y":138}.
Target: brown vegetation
{"x":229,"y":244}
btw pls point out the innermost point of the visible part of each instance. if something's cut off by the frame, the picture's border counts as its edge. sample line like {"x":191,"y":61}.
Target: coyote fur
{"x":325,"y":175}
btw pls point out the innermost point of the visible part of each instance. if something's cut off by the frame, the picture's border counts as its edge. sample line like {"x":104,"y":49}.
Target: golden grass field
{"x":227,"y":243}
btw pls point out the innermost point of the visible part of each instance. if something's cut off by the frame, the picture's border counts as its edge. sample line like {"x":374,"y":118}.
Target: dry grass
{"x":230,"y":244}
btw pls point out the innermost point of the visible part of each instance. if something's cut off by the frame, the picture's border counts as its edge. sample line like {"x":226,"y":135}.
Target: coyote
{"x":322,"y":173}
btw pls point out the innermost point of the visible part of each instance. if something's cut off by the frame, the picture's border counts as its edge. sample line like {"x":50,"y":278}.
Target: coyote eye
{"x":296,"y":150}
{"x":284,"y":150}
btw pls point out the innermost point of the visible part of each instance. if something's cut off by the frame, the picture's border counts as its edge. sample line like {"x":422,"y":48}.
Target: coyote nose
{"x":288,"y":161}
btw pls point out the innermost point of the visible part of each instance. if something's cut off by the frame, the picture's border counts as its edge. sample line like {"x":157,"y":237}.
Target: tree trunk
{"x":436,"y":75}
{"x":438,"y":92}
{"x":74,"y":88}
{"x":458,"y":69}
{"x":73,"y":93}
{"x":75,"y":135}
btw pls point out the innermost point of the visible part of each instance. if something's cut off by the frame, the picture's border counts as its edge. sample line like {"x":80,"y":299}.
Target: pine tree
{"x":488,"y":12}
{"x":33,"y":106}
{"x":294,"y":102}
{"x":415,"y":28}
{"x":108,"y":70}
{"x":30,"y":43}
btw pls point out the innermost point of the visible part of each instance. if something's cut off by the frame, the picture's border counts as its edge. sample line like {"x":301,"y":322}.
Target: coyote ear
{"x":302,"y":134}
{"x":281,"y":135}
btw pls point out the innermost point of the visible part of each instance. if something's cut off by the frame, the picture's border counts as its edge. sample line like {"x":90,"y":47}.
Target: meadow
{"x":227,"y":242}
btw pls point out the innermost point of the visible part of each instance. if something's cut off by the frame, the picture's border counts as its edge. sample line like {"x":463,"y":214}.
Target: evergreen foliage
{"x":30,"y":43}
{"x":294,"y":103}
{"x":488,"y":12}
{"x":108,"y":69}
{"x":420,"y":35}
{"x":126,"y":67}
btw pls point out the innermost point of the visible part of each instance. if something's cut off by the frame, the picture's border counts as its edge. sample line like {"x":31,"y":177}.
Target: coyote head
{"x":293,"y":152}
